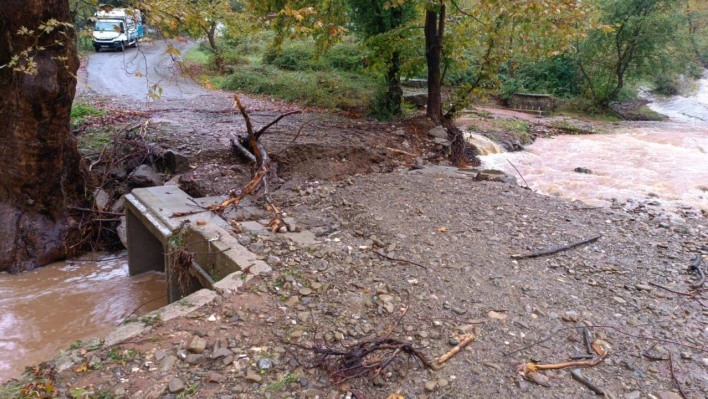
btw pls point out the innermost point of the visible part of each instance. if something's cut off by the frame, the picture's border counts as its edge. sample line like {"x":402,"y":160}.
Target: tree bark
{"x":434,"y":33}
{"x":394,"y":94}
{"x":40,"y":163}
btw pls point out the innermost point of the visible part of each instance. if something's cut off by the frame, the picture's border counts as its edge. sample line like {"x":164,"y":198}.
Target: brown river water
{"x":45,"y":311}
{"x":666,"y":162}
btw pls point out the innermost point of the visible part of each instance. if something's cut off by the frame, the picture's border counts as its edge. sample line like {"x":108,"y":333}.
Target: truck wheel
{"x":97,"y":48}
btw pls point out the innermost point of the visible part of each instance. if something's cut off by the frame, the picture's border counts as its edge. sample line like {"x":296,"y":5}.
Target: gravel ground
{"x":337,"y":292}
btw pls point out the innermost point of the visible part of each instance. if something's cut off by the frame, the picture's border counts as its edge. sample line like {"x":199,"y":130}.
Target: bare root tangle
{"x":367,"y":358}
{"x":97,"y":225}
{"x":251,"y":148}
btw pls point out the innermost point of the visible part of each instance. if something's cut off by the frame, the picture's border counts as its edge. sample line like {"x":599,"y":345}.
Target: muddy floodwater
{"x":666,"y":162}
{"x":45,"y":311}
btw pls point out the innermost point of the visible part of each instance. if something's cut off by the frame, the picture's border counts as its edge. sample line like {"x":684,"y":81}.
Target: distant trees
{"x":630,"y":38}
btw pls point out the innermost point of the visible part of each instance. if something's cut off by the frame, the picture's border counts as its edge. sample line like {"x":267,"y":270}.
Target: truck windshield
{"x":107,"y":26}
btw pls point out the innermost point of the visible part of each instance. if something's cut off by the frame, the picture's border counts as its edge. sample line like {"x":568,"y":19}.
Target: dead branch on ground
{"x":696,"y":266}
{"x":556,"y":250}
{"x":673,"y":376}
{"x":255,"y":152}
{"x":578,"y":376}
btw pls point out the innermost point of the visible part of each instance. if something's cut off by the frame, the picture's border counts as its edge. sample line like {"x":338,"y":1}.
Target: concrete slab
{"x":177,"y":309}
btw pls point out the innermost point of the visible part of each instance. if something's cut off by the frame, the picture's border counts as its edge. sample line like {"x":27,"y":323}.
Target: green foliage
{"x":333,"y":89}
{"x":300,"y":55}
{"x":283,"y":382}
{"x":667,"y":84}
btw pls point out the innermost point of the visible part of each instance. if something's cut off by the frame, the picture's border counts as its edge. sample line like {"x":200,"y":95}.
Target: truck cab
{"x":117,"y":29}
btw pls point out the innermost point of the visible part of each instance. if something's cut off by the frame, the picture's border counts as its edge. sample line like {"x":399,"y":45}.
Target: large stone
{"x":495,"y":175}
{"x":176,"y":386}
{"x":122,"y":232}
{"x":194,"y":359}
{"x":176,"y":162}
{"x":197,"y":344}
{"x":167,"y":363}
{"x":145,"y":176}
{"x":439,"y":132}
{"x":583,"y":170}
{"x":101,"y":199}
{"x":419,"y":99}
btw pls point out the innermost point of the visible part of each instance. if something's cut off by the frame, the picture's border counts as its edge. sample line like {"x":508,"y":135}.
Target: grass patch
{"x":196,"y":55}
{"x":94,"y":139}
{"x":283,"y":382}
{"x":82,"y":111}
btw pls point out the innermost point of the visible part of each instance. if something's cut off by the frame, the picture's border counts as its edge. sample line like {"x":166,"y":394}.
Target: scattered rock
{"x":253,"y":377}
{"x":145,"y":176}
{"x":497,"y":316}
{"x":197,"y":344}
{"x":430,"y":386}
{"x":167,"y":363}
{"x":265,"y":364}
{"x":582,"y":170}
{"x":176,"y":386}
{"x":438,"y":132}
{"x":176,"y":162}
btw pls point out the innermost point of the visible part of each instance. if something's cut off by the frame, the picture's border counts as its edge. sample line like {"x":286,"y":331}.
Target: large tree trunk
{"x":394,"y":94}
{"x":434,"y":33}
{"x":39,"y":161}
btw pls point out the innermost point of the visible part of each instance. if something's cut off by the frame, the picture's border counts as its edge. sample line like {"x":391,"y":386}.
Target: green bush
{"x":345,"y":57}
{"x":667,"y":84}
{"x":339,"y":90}
{"x":296,"y":56}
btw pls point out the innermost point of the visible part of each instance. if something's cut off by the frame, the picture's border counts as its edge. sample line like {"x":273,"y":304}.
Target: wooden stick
{"x":463,"y":343}
{"x":276,"y":120}
{"x":578,"y":376}
{"x":663,"y":287}
{"x":556,"y":250}
{"x":399,"y":151}
{"x":399,"y":260}
{"x":585,"y":363}
{"x":673,"y":375}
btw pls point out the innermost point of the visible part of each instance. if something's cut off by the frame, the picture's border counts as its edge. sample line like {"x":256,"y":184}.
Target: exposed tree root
{"x":251,"y":148}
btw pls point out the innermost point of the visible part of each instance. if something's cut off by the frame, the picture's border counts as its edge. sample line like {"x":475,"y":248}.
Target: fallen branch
{"x":555,"y":250}
{"x":696,"y":265}
{"x":525,"y":368}
{"x":399,"y":260}
{"x":578,"y":376}
{"x":673,"y":376}
{"x":299,"y":130}
{"x":665,"y":288}
{"x":400,"y":151}
{"x":522,"y":176}
{"x":252,"y":149}
{"x":666,"y":341}
{"x":466,"y":339}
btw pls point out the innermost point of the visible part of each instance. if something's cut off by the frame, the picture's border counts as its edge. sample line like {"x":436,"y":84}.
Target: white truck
{"x":117,"y":29}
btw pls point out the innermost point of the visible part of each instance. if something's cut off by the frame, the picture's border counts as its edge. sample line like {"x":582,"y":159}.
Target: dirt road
{"x":131,"y":75}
